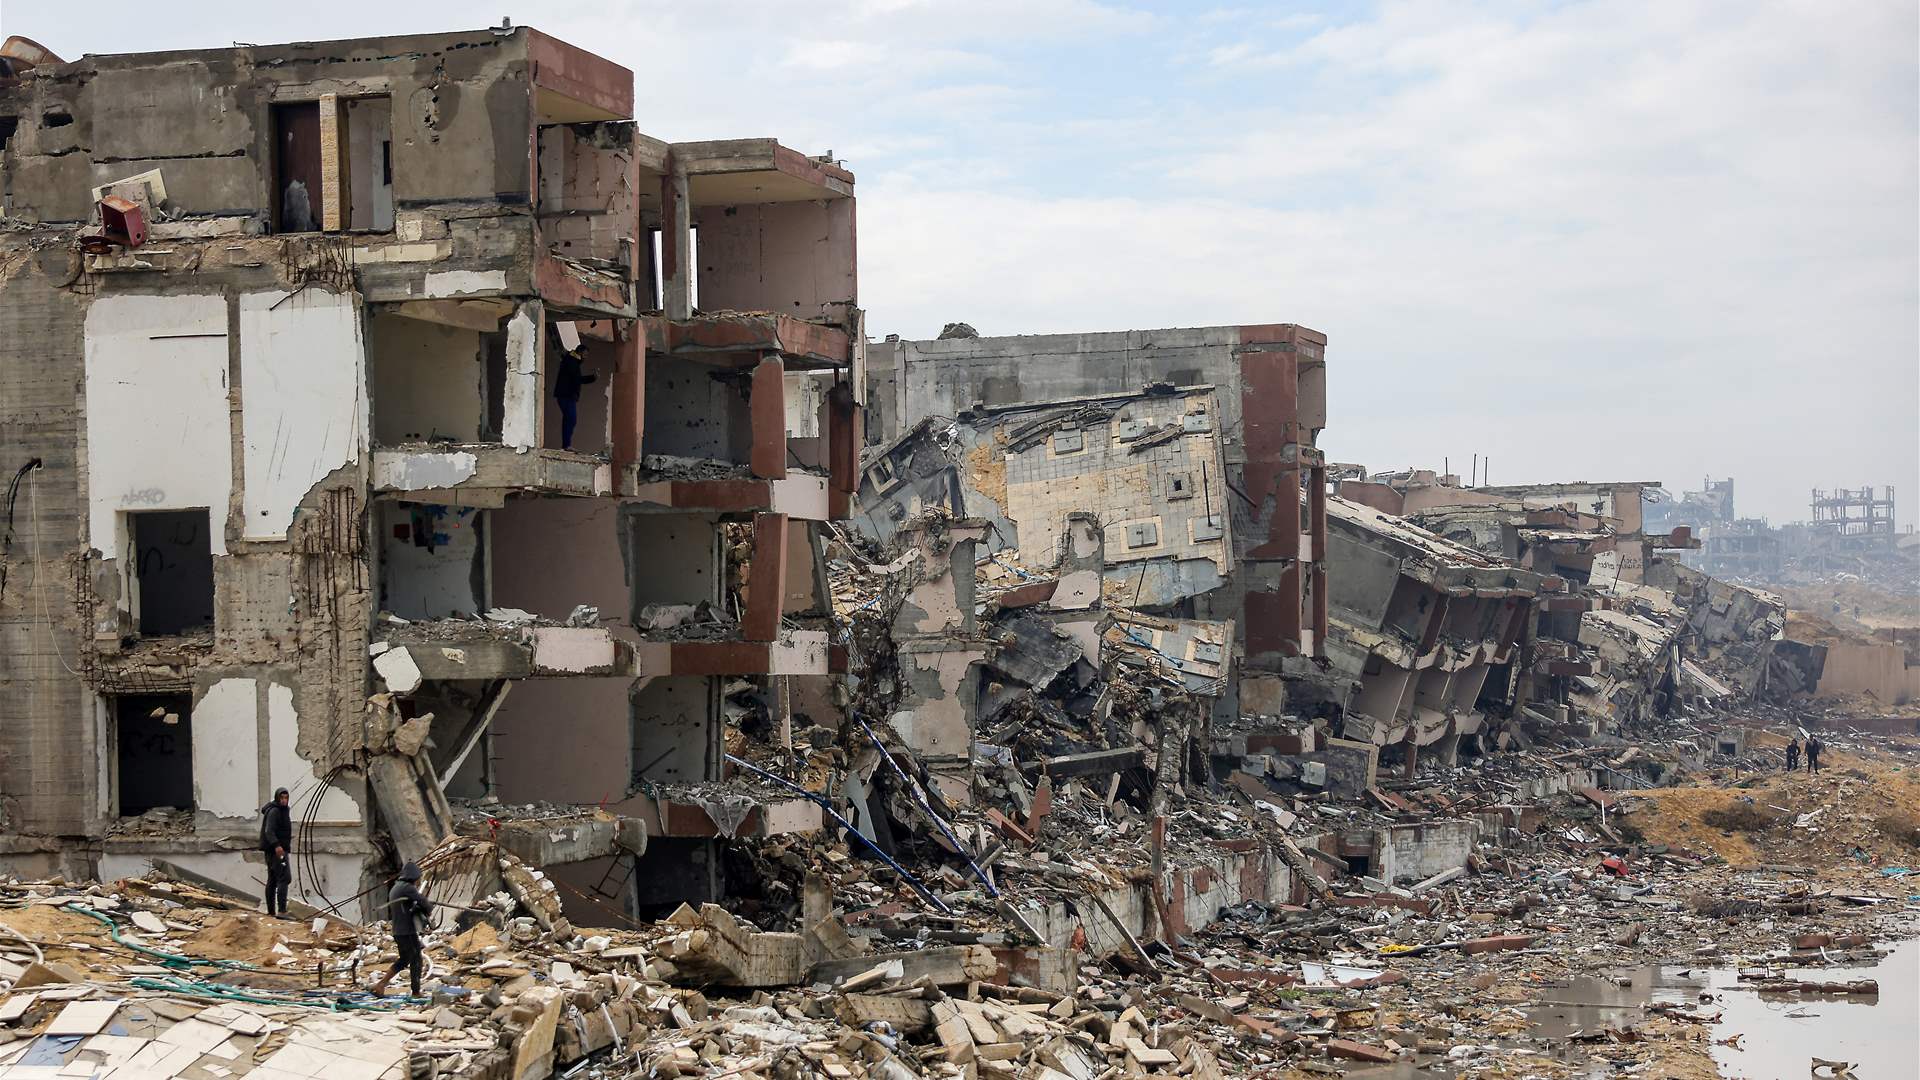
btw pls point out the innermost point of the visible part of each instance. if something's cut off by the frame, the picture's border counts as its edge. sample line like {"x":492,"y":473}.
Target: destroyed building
{"x":1419,"y":625}
{"x":1074,"y":717}
{"x":1195,"y":447}
{"x":292,"y":501}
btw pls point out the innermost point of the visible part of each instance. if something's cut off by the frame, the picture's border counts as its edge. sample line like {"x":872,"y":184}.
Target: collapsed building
{"x":392,"y":421}
{"x":1194,"y":446}
{"x":299,"y":499}
{"x":1847,"y":532}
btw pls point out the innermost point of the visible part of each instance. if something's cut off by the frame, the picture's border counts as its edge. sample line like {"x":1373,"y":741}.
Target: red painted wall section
{"x":767,"y":583}
{"x":768,"y":405}
{"x":629,"y":398}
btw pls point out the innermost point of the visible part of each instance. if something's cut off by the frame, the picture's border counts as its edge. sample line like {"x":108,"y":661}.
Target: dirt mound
{"x":1856,"y":813}
{"x":240,"y":936}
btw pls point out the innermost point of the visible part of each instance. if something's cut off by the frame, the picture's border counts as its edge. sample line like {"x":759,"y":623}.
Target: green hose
{"x":168,"y":958}
{"x":200,"y":988}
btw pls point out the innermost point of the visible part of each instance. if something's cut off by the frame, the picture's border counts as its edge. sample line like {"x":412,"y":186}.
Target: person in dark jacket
{"x":408,"y":910}
{"x":1793,"y":754}
{"x":1814,"y":746}
{"x":566,"y":394}
{"x":276,"y":842}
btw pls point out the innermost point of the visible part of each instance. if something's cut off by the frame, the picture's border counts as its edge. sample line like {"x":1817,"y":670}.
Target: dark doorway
{"x":154,"y":737}
{"x":297,"y":197}
{"x":173,"y":571}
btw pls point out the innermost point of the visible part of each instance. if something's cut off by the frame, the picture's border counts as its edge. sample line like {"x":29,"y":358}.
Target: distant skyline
{"x":1592,"y":241}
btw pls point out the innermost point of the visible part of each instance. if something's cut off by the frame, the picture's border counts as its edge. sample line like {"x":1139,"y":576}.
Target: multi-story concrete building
{"x":1269,"y":387}
{"x":287,"y":341}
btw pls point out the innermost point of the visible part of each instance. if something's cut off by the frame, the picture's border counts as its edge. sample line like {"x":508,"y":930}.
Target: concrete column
{"x":676,"y":233}
{"x":629,"y":402}
{"x":768,"y":404}
{"x":845,"y":437}
{"x":767,"y":585}
{"x":336,"y":212}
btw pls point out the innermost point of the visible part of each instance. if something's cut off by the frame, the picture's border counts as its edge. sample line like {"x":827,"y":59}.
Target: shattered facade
{"x":1053,"y":398}
{"x":295,"y":501}
{"x":785,"y":704}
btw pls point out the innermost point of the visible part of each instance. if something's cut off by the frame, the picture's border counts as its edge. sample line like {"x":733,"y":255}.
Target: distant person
{"x":408,"y":910}
{"x":1793,"y":753}
{"x":1814,"y":746}
{"x":566,"y":394}
{"x":276,"y":841}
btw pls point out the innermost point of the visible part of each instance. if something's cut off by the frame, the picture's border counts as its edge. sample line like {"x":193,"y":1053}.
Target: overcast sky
{"x":1590,"y":240}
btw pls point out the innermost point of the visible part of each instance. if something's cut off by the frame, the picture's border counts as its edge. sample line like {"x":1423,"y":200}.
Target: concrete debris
{"x":762,"y":700}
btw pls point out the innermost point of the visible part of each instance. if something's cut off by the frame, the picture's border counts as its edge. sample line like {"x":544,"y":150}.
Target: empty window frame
{"x":172,"y":572}
{"x":333,"y":165}
{"x":153,"y":752}
{"x":297,"y":191}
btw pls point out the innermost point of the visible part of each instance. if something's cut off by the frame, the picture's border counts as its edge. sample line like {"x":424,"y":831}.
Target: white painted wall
{"x":436,"y":583}
{"x":247,"y":872}
{"x":287,"y":769}
{"x":226,"y":750}
{"x":522,"y":398}
{"x":428,"y":379}
{"x":227,"y":726}
{"x":303,"y":399}
{"x":158,"y":431}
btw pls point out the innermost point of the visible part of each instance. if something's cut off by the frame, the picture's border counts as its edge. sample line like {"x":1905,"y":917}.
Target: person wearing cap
{"x":276,"y":840}
{"x":408,"y":910}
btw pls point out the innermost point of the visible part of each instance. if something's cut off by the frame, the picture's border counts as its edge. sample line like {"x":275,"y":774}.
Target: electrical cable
{"x":926,"y":808}
{"x":171,"y":959}
{"x":914,"y":882}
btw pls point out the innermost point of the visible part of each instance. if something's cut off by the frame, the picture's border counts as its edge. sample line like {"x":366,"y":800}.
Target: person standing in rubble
{"x":408,"y":909}
{"x":1793,"y":754}
{"x":566,"y":394}
{"x":1814,"y":746}
{"x":276,"y":841}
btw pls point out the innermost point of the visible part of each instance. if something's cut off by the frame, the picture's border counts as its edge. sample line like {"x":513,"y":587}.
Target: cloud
{"x":1651,"y":240}
{"x":1588,"y":241}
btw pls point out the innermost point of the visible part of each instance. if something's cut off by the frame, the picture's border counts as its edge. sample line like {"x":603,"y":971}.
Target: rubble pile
{"x":872,"y":978}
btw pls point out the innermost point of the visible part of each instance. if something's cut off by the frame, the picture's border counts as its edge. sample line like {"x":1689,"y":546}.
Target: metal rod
{"x":926,"y":808}
{"x":914,"y":882}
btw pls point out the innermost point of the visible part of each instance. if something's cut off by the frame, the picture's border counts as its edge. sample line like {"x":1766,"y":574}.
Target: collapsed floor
{"x":852,"y":966}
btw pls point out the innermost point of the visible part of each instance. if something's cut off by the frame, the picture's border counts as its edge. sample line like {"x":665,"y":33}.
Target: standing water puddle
{"x":1780,"y":1035}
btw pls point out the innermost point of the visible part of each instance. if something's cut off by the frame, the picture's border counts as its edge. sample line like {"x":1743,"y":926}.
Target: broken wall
{"x":793,"y":258}
{"x":205,"y":119}
{"x":48,"y":755}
